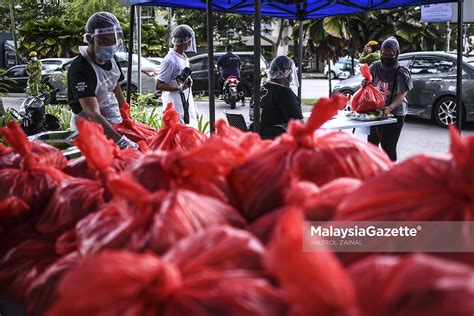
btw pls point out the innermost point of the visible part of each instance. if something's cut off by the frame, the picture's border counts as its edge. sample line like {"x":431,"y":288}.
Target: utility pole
{"x":448,"y":37}
{"x":12,"y":18}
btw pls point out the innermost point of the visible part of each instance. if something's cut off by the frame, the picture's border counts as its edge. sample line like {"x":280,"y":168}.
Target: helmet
{"x":184,"y":34}
{"x":372,"y":43}
{"x":33,"y":54}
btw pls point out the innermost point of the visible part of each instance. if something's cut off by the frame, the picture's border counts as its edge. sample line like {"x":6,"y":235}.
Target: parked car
{"x":52,"y":64}
{"x":434,"y":86}
{"x":156,"y":60}
{"x":199,"y":66}
{"x":342,"y":68}
{"x":149,"y":73}
{"x":19,"y":78}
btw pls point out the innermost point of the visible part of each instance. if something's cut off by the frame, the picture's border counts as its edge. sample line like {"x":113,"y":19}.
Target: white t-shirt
{"x":170,"y":68}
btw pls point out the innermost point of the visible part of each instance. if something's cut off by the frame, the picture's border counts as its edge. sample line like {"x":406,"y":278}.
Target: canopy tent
{"x":290,"y":9}
{"x":299,"y":10}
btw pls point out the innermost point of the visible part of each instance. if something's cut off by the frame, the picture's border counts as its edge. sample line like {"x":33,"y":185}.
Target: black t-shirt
{"x":82,"y":81}
{"x":278,"y":105}
{"x":230,"y":65}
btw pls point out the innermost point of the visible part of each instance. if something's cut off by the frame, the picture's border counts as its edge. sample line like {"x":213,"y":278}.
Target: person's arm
{"x":119,"y":95}
{"x":167,"y":86}
{"x":395,"y":103}
{"x":90,"y":106}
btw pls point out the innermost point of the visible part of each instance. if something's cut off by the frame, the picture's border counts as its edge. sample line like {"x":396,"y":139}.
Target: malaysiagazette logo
{"x":369,"y":231}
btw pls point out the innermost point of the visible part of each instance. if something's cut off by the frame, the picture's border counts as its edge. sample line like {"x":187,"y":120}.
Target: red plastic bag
{"x":34,"y":182}
{"x":101,"y":156}
{"x":201,"y":170}
{"x":46,"y":155}
{"x":213,"y":280}
{"x":73,"y":199}
{"x":258,"y":185}
{"x":315,"y":283}
{"x":367,"y":98}
{"x":137,"y":219}
{"x":422,"y":188}
{"x":415,"y":285}
{"x":22,"y":265}
{"x":175,"y":135}
{"x":135,"y":131}
{"x":42,"y":291}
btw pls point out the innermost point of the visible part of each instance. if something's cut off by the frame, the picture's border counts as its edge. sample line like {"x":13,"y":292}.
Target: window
{"x":16,"y":72}
{"x":198,"y":64}
{"x":430,"y":65}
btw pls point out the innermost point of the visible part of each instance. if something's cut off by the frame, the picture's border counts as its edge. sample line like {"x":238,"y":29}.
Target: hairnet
{"x":101,"y":20}
{"x":281,"y":67}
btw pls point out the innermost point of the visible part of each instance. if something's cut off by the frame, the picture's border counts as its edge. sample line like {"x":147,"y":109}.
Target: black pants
{"x":387,"y":135}
{"x":220,"y":85}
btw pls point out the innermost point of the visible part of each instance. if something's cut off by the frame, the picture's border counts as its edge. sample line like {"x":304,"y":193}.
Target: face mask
{"x":106,"y":53}
{"x":34,"y":59}
{"x":388,"y":62}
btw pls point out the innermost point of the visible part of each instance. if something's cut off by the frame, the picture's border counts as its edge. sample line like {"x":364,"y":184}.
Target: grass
{"x":308,"y":101}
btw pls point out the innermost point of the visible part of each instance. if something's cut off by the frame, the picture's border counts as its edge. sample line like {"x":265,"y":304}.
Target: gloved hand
{"x":124,"y":143}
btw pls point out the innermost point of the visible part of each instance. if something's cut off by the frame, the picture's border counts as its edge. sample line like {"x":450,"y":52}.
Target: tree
{"x":83,"y":9}
{"x":228,"y":28}
{"x":27,"y":10}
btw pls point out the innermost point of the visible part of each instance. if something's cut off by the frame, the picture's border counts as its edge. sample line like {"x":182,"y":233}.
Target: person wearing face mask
{"x":93,"y":78}
{"x":33,"y":69}
{"x":184,"y":40}
{"x":278,"y":102}
{"x":394,"y":81}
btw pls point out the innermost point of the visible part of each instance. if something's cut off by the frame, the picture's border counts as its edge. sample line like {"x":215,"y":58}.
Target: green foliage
{"x":144,"y":109}
{"x":54,"y":37}
{"x":203,"y":127}
{"x":336,"y":36}
{"x":28,"y":10}
{"x":153,"y":38}
{"x":225,"y":25}
{"x":83,"y":9}
{"x":63,"y":113}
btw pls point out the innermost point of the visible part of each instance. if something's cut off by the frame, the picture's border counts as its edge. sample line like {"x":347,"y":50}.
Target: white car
{"x":52,"y":64}
{"x":156,"y":60}
{"x":342,"y":68}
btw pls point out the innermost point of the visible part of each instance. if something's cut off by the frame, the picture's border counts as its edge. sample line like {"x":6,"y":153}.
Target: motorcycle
{"x":32,"y":114}
{"x":233,"y":92}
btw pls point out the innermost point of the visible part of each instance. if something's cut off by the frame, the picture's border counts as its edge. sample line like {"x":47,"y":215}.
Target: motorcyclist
{"x":229,"y":65}
{"x":33,"y":69}
{"x":184,"y":40}
{"x":93,"y":78}
{"x":370,"y":54}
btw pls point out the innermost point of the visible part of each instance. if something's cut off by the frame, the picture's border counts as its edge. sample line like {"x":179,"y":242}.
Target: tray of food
{"x":367,"y":116}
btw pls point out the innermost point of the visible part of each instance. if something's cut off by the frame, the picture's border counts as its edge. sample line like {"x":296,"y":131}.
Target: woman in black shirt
{"x":278,"y":102}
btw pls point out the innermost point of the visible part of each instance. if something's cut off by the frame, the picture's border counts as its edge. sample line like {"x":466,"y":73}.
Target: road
{"x":418,"y":136}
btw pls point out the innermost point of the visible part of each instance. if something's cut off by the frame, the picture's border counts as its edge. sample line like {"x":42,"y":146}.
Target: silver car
{"x":57,"y":78}
{"x":434,"y":86}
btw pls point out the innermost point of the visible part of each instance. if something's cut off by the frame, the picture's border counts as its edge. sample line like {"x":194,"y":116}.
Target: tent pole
{"x":256,"y":60}
{"x":211,"y":77}
{"x":300,"y":58}
{"x":130,"y":52}
{"x":329,"y":77}
{"x":459,"y":109}
{"x":139,"y":48}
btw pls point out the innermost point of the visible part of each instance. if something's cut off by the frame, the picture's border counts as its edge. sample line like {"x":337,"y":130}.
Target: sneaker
{"x":221,"y":97}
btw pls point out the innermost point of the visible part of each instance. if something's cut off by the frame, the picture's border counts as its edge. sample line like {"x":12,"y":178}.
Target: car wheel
{"x":332,"y":75}
{"x":133,"y":89}
{"x":444,"y":111}
{"x":348,"y":93}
